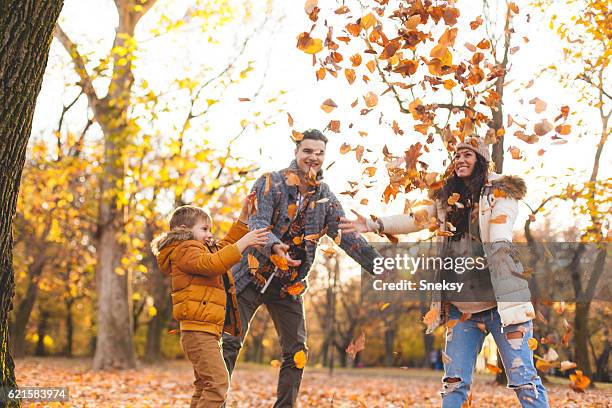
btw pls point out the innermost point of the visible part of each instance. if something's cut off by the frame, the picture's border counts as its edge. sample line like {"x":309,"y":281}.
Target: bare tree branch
{"x":86,"y":82}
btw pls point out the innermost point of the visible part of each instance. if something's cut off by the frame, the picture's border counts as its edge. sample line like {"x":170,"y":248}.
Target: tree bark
{"x":41,"y":330}
{"x":24,"y":310}
{"x":581,"y":337}
{"x":69,"y":327}
{"x":26,"y":28}
{"x":159,"y":288}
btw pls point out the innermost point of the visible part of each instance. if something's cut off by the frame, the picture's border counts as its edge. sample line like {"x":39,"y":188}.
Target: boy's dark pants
{"x":288,"y":316}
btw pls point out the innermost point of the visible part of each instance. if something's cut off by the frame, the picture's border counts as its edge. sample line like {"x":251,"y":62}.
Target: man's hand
{"x":281,"y":250}
{"x":248,"y":208}
{"x":361,"y":224}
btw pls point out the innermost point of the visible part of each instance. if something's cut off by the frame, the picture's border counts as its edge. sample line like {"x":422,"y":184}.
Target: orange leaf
{"x":431,"y":316}
{"x":454,"y":198}
{"x":280,"y":262}
{"x":291,"y":210}
{"x":350,"y":75}
{"x":449,"y":84}
{"x":328,"y":105}
{"x":300,"y":359}
{"x":321,"y":74}
{"x":540,"y":105}
{"x":563,"y":129}
{"x":493,"y":368}
{"x":296,"y":289}
{"x":253,"y":263}
{"x":542,"y":128}
{"x":371,"y":99}
{"x":579,"y":382}
{"x":296,"y":136}
{"x":292,"y":179}
{"x":367,"y":21}
{"x":356,"y":346}
{"x":308,"y":44}
{"x":452,"y":323}
{"x":371,"y":66}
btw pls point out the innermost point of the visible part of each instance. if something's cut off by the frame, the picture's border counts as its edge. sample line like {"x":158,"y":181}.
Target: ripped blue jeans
{"x":463,"y":343}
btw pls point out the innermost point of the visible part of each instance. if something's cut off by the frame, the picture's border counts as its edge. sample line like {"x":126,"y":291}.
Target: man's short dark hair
{"x":312,"y":134}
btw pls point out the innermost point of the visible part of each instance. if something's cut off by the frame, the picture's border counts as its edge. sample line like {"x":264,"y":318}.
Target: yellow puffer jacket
{"x":201,"y":279}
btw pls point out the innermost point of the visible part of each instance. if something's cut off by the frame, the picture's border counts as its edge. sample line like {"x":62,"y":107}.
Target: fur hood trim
{"x":513,"y":186}
{"x":177,"y":235}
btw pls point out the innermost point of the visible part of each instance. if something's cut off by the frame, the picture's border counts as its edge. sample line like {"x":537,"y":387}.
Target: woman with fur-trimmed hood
{"x":476,"y":210}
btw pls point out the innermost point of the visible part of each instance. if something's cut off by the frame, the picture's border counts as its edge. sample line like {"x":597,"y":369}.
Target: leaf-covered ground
{"x":169,"y":385}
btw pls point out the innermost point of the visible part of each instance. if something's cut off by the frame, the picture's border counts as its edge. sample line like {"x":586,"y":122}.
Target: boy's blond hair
{"x":187,"y":215}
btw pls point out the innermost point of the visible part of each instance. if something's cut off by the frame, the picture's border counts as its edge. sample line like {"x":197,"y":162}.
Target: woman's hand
{"x":253,"y":238}
{"x":361,"y":224}
{"x":248,"y":208}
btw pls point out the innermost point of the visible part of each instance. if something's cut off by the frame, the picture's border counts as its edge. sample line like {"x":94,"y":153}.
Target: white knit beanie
{"x":477,"y":145}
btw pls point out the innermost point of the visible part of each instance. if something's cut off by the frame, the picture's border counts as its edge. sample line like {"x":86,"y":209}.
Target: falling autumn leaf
{"x":300,"y":359}
{"x":328,"y":105}
{"x":371,"y":99}
{"x":308,"y":44}
{"x":368,"y":21}
{"x":356,"y":346}
{"x":543,"y":127}
{"x":280,"y":262}
{"x":296,"y":136}
{"x":431,"y":316}
{"x":540,"y":105}
{"x":532,"y":343}
{"x":296,"y":289}
{"x":253,"y":263}
{"x":578,"y":381}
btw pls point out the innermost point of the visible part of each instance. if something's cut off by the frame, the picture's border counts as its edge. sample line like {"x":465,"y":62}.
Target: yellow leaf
{"x":300,"y":359}
{"x":368,"y":21}
{"x":533,"y":343}
{"x":152,"y":311}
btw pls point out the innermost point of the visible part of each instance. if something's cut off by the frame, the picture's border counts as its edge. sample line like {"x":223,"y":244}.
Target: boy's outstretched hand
{"x":249,"y":207}
{"x":253,"y":238}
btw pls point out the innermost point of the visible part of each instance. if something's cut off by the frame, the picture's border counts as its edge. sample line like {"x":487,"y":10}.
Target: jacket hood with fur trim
{"x":163,"y":246}
{"x":513,"y":186}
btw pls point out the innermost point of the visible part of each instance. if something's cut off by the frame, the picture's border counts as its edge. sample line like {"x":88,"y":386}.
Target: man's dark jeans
{"x":288,"y":316}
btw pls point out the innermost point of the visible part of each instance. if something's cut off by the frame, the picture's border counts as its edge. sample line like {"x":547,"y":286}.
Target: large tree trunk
{"x":114,"y":347}
{"x":24,"y":310}
{"x":581,"y":337}
{"x":69,"y":327}
{"x":159,"y":288}
{"x":26,"y":28}
{"x":41,"y":331}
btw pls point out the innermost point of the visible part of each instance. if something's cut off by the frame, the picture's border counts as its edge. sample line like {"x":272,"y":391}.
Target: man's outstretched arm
{"x":352,"y":243}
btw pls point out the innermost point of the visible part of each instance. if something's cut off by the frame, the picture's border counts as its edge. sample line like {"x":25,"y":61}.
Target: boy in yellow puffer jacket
{"x":203,"y":293}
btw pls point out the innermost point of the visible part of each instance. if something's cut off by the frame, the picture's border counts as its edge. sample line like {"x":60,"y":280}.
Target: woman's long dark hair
{"x":469,"y":192}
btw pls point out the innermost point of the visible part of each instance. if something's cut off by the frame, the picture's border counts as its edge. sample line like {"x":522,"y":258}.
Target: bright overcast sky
{"x":90,"y":23}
